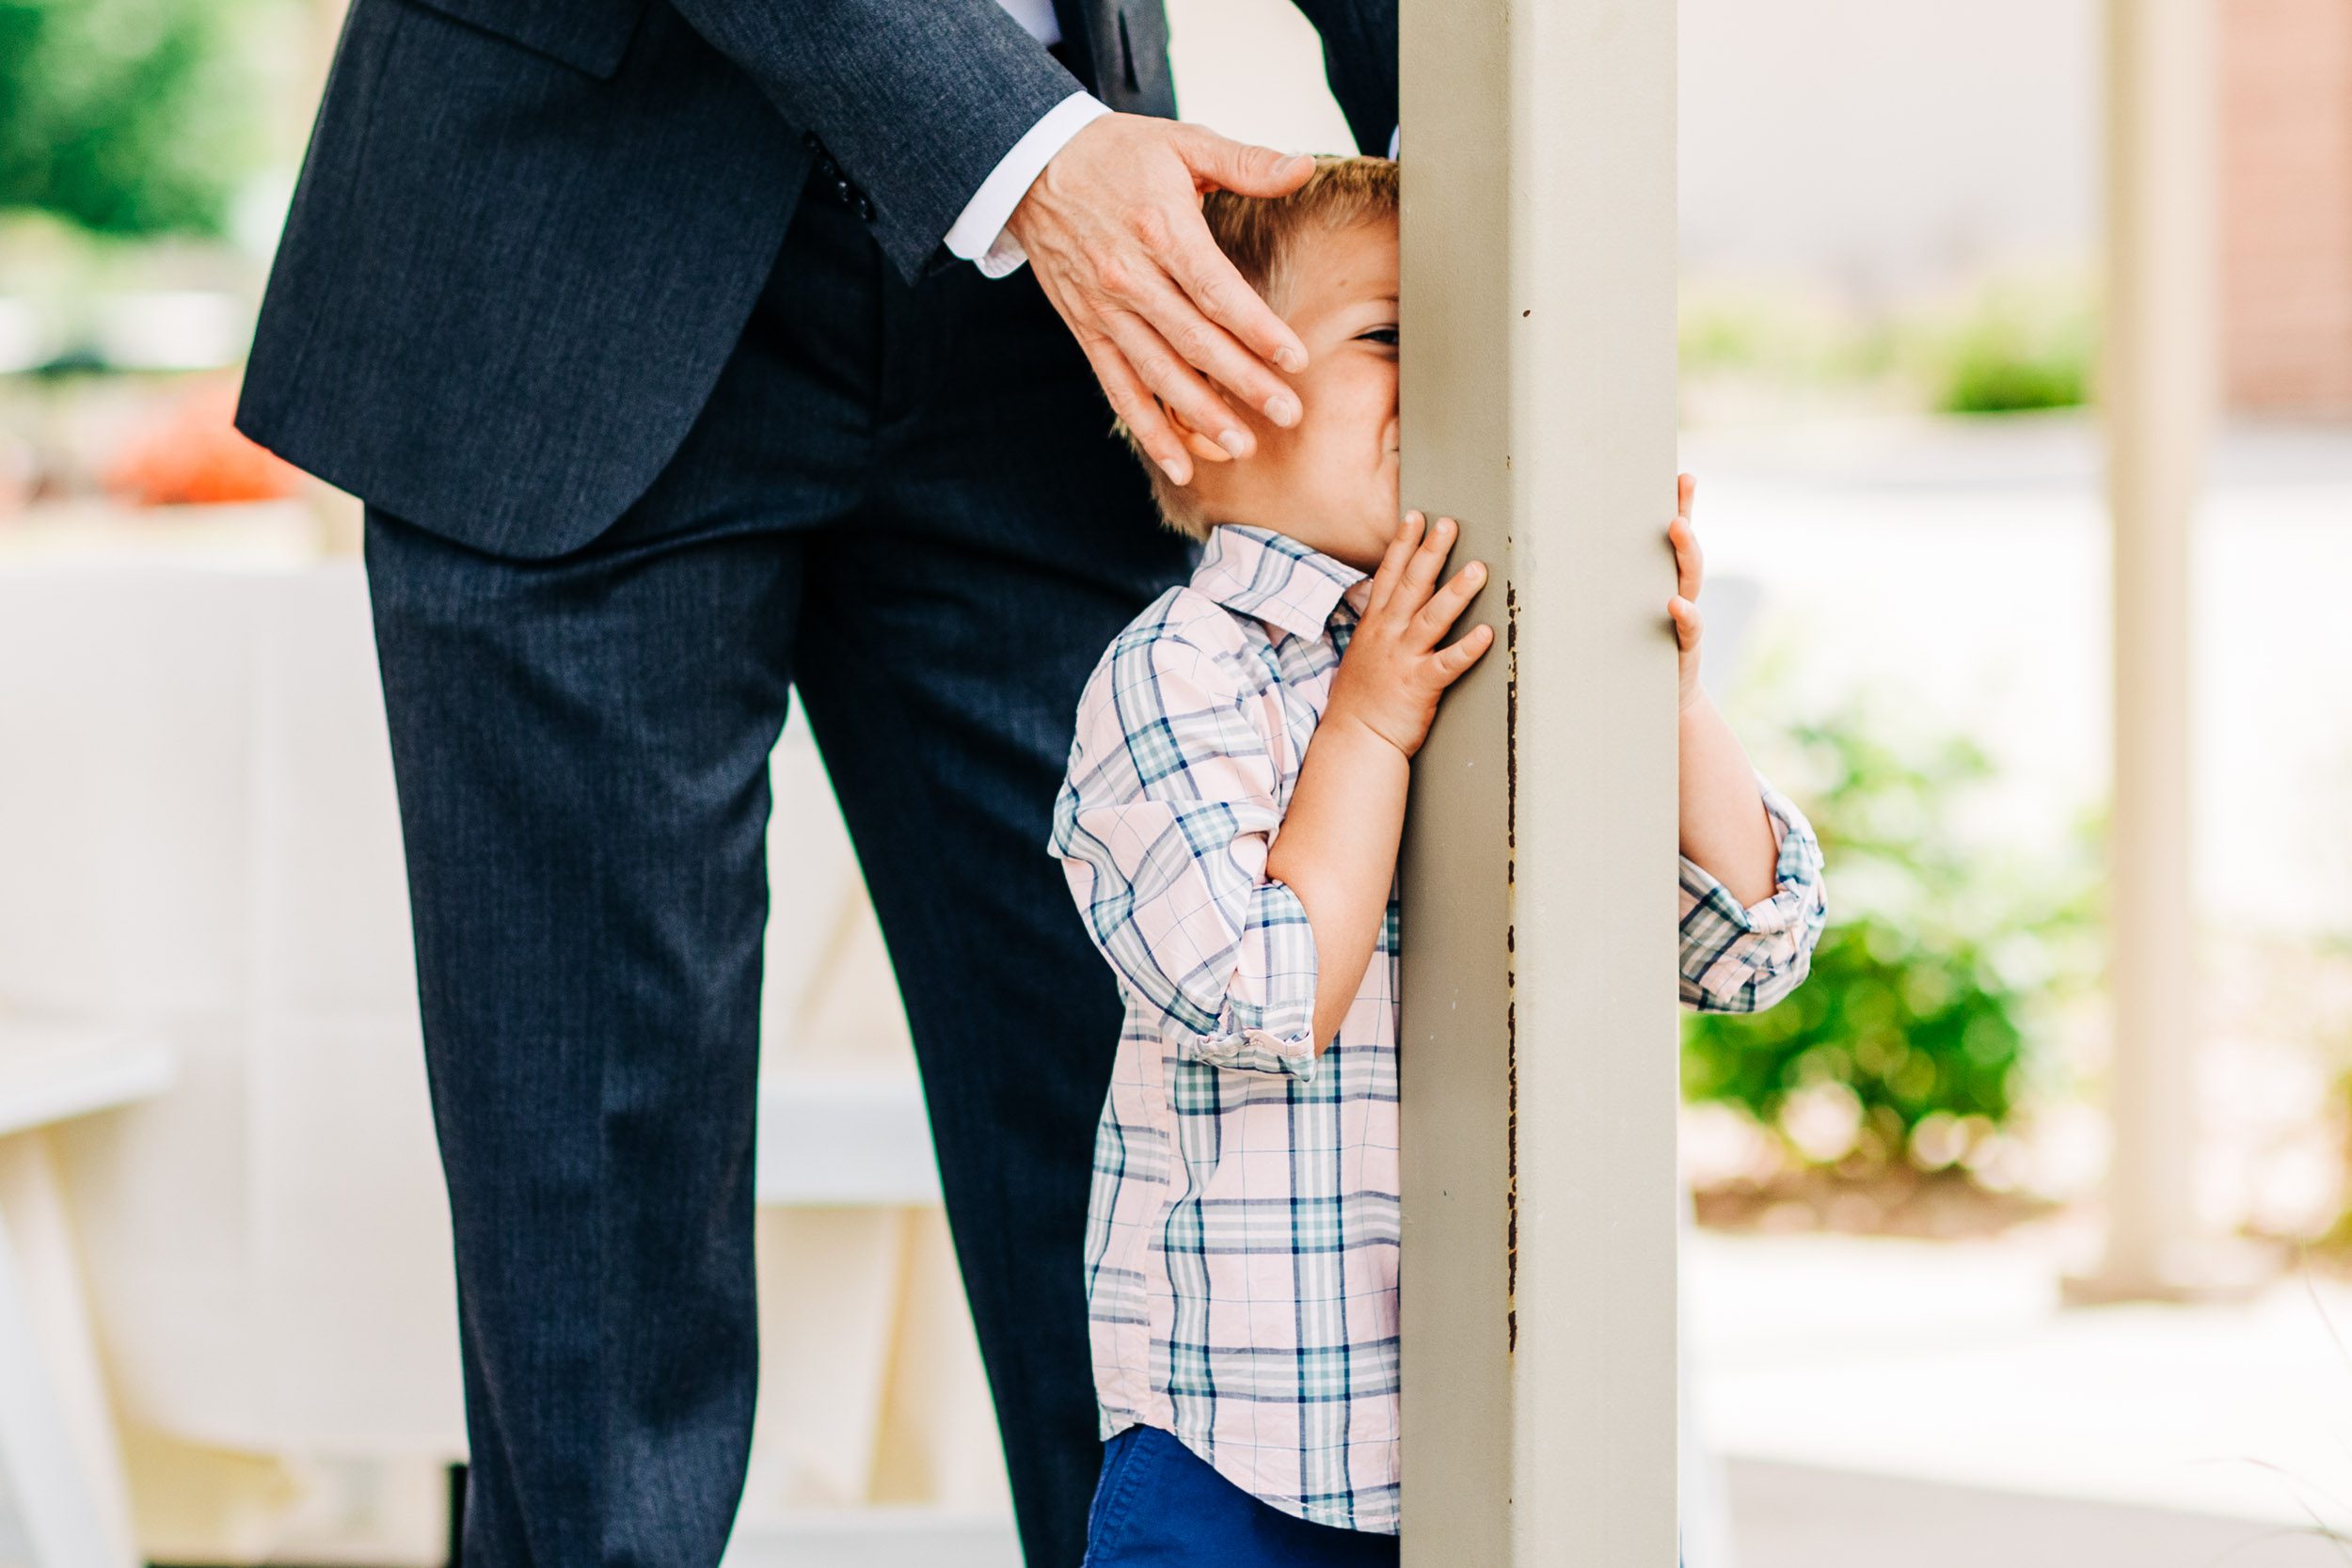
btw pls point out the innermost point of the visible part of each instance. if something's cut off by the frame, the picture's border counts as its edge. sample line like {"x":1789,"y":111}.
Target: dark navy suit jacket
{"x":529,"y":232}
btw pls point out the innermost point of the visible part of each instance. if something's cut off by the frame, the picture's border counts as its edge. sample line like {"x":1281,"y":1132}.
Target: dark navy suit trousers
{"x":902,"y":503}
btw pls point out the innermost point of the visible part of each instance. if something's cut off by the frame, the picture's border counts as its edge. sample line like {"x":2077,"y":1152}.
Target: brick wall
{"x":2286,"y":206}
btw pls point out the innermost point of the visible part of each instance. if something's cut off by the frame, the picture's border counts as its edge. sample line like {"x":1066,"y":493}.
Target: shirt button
{"x":864,"y":209}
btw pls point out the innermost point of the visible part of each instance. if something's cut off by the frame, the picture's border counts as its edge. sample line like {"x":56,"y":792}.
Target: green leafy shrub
{"x":128,"y":116}
{"x":2016,"y":345}
{"x":1910,"y":1042}
{"x":2025,"y":340}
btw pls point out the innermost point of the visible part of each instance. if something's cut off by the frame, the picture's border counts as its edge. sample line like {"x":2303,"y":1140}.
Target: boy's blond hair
{"x":1257,"y":234}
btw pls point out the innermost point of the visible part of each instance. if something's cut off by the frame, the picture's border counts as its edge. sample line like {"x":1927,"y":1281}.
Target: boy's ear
{"x":1194,"y":443}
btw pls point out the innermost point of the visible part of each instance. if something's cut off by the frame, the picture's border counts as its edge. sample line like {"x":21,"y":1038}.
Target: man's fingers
{"x":1176,"y":315}
{"x":1132,"y":401}
{"x":1175,"y":384}
{"x":1220,"y":293}
{"x":1114,"y":227}
{"x":1242,"y":167}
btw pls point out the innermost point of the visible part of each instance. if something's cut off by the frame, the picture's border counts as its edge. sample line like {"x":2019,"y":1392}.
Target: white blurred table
{"x":60,"y":1465}
{"x":202,"y":845}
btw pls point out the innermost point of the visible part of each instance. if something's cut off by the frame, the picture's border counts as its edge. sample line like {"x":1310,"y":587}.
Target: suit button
{"x":846,"y":192}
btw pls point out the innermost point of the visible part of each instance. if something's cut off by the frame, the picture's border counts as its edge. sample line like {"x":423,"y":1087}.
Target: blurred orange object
{"x":192,"y":454}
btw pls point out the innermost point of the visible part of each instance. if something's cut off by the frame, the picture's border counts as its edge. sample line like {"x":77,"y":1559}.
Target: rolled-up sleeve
{"x":1742,"y":959}
{"x":1162,"y":827}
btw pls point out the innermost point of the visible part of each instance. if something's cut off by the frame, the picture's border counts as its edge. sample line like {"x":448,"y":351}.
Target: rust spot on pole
{"x":1511,"y":728}
{"x":1510,"y":965}
{"x":1511,"y":1202}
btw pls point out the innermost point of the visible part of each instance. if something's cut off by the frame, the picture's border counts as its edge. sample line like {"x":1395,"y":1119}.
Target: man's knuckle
{"x":1149,"y":224}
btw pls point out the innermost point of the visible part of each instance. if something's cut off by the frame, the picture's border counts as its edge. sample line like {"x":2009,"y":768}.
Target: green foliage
{"x":1779,"y":334}
{"x":1911,"y":1040}
{"x":2014,"y":347}
{"x":128,"y":116}
{"x":2016,"y":342}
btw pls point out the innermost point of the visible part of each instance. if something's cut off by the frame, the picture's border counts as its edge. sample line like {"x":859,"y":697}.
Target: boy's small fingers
{"x":1393,"y":560}
{"x":1446,"y":605}
{"x":1405,"y":539}
{"x":1686,"y":487}
{"x":1690,"y":560}
{"x":1467,"y":651}
{"x":1420,"y":572}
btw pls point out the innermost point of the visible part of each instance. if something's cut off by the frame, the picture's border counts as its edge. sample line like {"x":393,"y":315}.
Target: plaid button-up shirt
{"x":1241,"y":1242}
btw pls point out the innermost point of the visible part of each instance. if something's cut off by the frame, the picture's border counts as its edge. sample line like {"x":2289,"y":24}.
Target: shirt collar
{"x":1275,"y":578}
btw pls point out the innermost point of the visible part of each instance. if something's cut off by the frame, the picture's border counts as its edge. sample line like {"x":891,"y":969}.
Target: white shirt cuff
{"x":979,"y":236}
{"x":1395,"y":135}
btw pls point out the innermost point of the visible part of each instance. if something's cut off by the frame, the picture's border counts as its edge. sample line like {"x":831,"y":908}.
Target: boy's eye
{"x":1378,"y":335}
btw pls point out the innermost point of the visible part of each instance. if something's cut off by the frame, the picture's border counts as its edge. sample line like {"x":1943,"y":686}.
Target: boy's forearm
{"x":1724,"y":827}
{"x":1337,"y":851}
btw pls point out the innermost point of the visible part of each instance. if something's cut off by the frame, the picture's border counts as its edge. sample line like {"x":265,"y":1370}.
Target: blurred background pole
{"x":2156,"y":392}
{"x":1538,"y":1048}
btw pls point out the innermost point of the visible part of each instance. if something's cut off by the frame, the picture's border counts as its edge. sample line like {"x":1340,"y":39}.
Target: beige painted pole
{"x":1538,"y":1047}
{"x":2156,"y":396}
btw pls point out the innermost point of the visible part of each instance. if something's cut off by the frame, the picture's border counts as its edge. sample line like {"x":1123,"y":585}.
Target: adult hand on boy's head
{"x":1114,"y":232}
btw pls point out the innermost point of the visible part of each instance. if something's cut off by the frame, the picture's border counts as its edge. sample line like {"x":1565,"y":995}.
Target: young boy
{"x":1230,"y":828}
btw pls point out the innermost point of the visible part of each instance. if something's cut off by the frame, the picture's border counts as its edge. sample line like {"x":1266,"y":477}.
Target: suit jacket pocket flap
{"x":590,"y":35}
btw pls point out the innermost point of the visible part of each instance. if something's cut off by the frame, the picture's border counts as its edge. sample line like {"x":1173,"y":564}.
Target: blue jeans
{"x":1159,"y":1506}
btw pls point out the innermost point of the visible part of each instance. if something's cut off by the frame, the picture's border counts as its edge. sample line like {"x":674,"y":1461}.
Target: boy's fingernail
{"x":1174,"y":472}
{"x":1292,"y":360}
{"x":1282,"y":408}
{"x":1234,"y":442}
